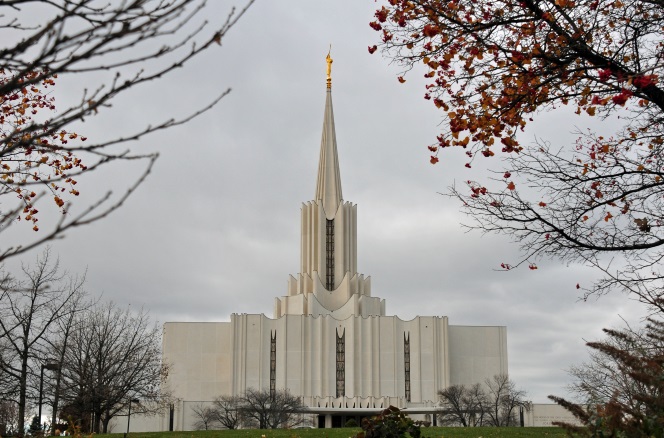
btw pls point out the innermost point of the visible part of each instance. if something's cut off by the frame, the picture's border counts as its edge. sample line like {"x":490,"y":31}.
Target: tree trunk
{"x":23,"y":389}
{"x":96,"y":427}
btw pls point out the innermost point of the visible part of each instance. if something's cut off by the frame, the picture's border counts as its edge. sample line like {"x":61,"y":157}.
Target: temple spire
{"x":328,"y":185}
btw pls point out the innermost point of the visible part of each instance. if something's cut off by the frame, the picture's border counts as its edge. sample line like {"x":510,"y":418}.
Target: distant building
{"x":329,"y":341}
{"x":545,"y":414}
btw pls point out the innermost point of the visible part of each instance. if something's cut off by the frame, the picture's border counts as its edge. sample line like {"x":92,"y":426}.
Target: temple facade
{"x":329,"y":340}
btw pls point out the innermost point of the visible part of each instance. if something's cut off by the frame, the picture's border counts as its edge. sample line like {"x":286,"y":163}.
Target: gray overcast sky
{"x":215,"y":228}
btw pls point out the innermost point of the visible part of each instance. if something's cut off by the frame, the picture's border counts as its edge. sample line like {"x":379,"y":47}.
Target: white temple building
{"x":330,"y":340}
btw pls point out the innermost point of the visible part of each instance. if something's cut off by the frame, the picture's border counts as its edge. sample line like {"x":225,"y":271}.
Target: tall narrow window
{"x":406,"y":363}
{"x":329,"y":251}
{"x":273,"y":363}
{"x":341,"y":364}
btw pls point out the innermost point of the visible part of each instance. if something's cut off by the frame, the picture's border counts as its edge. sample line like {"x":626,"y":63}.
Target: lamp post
{"x":133,"y":400}
{"x":51,"y":366}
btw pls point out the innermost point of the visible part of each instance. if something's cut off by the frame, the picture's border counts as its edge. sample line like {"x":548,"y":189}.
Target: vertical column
{"x":304,"y":240}
{"x":375,"y":363}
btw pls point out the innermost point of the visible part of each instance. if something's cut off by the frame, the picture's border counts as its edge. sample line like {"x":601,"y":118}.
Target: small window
{"x":329,"y":251}
{"x":341,"y":364}
{"x":273,"y":363}
{"x":406,"y":363}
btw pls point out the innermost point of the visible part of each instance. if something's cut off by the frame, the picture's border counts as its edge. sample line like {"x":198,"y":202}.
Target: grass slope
{"x":429,"y":432}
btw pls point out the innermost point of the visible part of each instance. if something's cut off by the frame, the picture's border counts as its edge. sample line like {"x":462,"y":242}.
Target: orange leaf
{"x":511,"y":186}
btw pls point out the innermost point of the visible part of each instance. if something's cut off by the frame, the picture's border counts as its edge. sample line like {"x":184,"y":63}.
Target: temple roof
{"x":328,"y":185}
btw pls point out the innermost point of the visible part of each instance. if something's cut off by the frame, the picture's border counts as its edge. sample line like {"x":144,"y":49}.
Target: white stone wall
{"x":211,"y":359}
{"x":476,"y":353}
{"x":543,"y":414}
{"x":200,"y":355}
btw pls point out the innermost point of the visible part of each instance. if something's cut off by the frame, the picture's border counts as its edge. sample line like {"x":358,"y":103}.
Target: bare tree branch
{"x":120,"y":45}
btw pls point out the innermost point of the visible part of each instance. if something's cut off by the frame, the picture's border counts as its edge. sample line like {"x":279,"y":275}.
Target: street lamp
{"x":133,"y":400}
{"x":51,"y":366}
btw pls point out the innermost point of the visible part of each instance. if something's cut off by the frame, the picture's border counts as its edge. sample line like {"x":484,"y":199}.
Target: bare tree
{"x":227,"y":412}
{"x":461,"y":405}
{"x":604,"y":378}
{"x":112,"y":48}
{"x":58,"y":345}
{"x":453,"y":409}
{"x":114,"y":356}
{"x":7,"y":384}
{"x":636,"y":408}
{"x":205,"y":416}
{"x":272,"y":410}
{"x":503,"y":399}
{"x":8,"y":418}
{"x":31,"y":307}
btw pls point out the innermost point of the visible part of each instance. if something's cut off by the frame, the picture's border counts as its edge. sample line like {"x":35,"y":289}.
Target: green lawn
{"x":429,"y":432}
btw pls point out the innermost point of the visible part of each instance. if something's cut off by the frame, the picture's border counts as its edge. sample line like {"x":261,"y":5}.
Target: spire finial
{"x":329,"y":60}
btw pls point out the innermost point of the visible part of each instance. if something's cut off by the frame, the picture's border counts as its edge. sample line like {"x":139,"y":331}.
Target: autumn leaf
{"x":511,"y":186}
{"x":430,"y":30}
{"x":620,"y":99}
{"x":644,"y":81}
{"x":642,"y":224}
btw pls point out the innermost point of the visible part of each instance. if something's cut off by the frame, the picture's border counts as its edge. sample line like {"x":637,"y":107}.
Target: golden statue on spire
{"x":329,"y":60}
